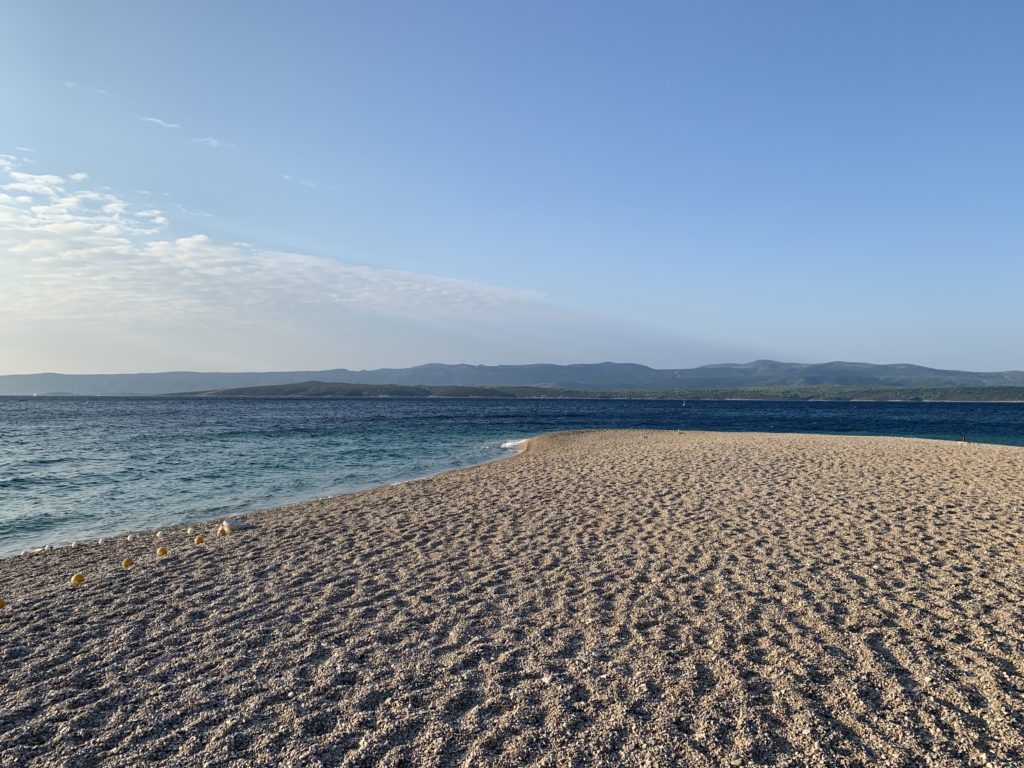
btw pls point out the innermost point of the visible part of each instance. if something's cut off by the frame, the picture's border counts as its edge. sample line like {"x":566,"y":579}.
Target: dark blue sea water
{"x":80,"y":468}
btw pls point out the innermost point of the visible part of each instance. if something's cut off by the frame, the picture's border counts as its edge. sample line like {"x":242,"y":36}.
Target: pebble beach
{"x":602,"y":598}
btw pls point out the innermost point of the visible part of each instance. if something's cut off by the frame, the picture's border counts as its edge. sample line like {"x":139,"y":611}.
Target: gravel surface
{"x":603,"y":598}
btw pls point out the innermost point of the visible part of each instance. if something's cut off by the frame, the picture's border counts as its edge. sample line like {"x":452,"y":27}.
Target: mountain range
{"x":606,"y":376}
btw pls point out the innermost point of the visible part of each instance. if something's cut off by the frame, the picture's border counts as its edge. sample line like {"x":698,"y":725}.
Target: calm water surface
{"x":81,"y":468}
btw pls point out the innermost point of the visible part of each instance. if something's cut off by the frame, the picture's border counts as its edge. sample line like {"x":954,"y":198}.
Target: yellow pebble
{"x":127,"y":563}
{"x":199,"y":539}
{"x":221,"y":531}
{"x":77,"y":578}
{"x":2,"y":604}
{"x":161,"y":551}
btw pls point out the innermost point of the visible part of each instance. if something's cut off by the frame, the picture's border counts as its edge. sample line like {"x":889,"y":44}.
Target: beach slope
{"x":603,"y":598}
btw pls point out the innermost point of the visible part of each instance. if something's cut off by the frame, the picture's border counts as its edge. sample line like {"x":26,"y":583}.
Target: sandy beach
{"x":603,"y":598}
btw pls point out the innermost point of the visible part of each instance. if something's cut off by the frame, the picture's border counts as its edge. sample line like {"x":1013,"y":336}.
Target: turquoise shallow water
{"x":81,"y":468}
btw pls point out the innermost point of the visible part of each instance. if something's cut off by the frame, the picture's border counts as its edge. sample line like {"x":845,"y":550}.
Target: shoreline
{"x":519,"y":446}
{"x":241,"y":514}
{"x":603,"y":597}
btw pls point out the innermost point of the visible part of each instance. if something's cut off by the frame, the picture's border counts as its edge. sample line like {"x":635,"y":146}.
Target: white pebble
{"x":129,"y":537}
{"x":159,"y":534}
{"x":189,"y":531}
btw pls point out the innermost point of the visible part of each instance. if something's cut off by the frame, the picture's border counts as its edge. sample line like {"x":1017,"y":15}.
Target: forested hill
{"x":343,"y":390}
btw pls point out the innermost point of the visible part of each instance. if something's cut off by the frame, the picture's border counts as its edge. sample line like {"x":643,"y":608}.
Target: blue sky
{"x":313,"y":185}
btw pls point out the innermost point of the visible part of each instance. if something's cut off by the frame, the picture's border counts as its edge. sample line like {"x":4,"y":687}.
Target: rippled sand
{"x":605,"y":598}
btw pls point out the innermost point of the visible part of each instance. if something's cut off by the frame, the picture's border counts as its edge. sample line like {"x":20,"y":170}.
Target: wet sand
{"x":604,"y":598}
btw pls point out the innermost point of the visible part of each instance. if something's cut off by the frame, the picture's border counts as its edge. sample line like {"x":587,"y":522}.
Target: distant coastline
{"x":760,"y":379}
{"x":322,"y":389}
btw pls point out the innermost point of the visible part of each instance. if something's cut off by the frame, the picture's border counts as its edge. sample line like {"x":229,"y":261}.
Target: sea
{"x":75,"y":468}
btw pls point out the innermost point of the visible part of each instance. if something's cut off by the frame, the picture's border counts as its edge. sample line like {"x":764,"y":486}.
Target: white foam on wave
{"x":510,"y":444}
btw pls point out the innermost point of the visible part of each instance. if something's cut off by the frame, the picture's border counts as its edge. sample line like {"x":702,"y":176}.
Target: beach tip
{"x":199,"y":539}
{"x":77,"y":578}
{"x":161,"y":551}
{"x":127,"y":563}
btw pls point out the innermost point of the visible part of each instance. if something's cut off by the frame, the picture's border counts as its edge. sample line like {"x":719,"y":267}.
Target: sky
{"x":311,"y":185}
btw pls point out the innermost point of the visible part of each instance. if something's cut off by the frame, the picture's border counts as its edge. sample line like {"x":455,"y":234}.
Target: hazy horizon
{"x":184,"y":186}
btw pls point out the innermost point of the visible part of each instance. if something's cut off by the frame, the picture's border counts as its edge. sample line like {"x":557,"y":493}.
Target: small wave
{"x":510,"y":444}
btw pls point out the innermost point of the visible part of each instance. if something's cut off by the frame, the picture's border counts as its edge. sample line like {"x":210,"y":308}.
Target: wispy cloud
{"x":208,"y":141}
{"x":25,"y":149}
{"x":89,"y":255}
{"x":69,"y":84}
{"x":80,"y":176}
{"x":158,"y":121}
{"x":307,"y":182}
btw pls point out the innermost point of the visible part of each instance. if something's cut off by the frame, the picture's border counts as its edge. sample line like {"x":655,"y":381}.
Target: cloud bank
{"x":84,"y":269}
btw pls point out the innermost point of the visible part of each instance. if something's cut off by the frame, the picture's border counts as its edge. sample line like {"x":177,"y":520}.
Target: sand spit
{"x":603,"y":598}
